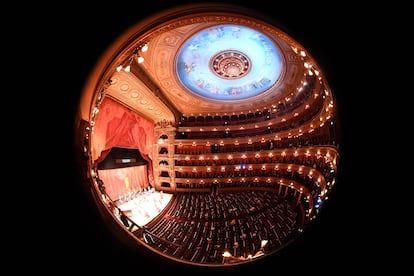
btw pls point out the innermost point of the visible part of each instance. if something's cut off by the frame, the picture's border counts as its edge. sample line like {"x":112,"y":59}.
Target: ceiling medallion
{"x":230,"y":64}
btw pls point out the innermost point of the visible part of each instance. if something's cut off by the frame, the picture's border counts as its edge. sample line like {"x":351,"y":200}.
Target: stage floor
{"x":145,"y":206}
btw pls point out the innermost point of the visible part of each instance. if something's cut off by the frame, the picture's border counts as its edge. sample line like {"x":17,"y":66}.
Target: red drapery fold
{"x":117,"y":126}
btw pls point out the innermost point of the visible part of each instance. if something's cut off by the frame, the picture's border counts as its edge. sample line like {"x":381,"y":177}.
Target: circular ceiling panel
{"x":228,"y":62}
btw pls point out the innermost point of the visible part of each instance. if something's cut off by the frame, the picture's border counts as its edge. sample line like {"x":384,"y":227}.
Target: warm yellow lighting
{"x":226,"y":254}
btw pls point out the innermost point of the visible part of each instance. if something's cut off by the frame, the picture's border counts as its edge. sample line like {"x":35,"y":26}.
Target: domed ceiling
{"x":205,"y":63}
{"x":229,"y":62}
{"x":221,"y":69}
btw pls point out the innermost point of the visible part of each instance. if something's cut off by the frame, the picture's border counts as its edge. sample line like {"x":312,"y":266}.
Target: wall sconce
{"x":263,"y":243}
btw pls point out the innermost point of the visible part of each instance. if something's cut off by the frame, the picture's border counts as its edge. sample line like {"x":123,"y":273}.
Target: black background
{"x":340,"y":240}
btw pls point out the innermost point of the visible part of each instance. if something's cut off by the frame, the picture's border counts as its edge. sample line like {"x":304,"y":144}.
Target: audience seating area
{"x":199,"y":227}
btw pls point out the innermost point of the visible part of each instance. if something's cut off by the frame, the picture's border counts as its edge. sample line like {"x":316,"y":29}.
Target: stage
{"x":145,"y":205}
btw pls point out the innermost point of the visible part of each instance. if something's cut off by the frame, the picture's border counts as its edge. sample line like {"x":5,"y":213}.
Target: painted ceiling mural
{"x":229,"y":62}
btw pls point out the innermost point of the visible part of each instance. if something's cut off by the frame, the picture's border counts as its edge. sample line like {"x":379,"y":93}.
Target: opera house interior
{"x":208,"y":137}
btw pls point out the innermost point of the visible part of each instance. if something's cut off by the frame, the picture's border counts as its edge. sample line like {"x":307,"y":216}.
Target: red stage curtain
{"x":117,"y":126}
{"x":124,"y":181}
